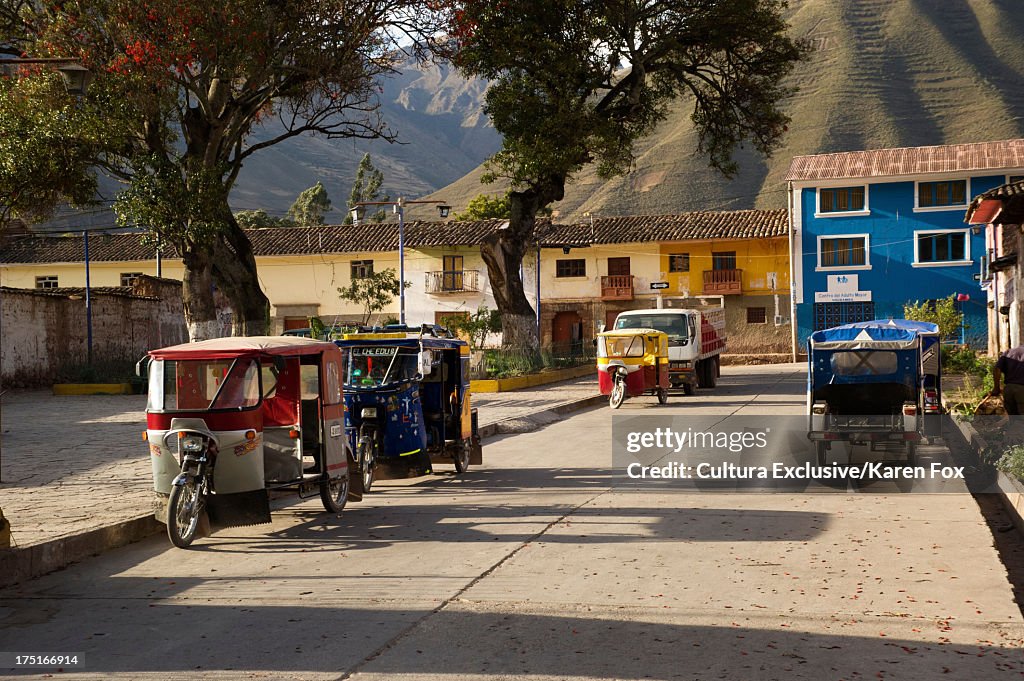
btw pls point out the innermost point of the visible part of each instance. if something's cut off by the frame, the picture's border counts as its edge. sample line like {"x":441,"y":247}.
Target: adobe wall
{"x":44,"y":332}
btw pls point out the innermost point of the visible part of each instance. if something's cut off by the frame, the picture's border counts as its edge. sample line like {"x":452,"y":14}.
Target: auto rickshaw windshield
{"x":372,"y":366}
{"x":203,"y":385}
{"x":622,"y":346}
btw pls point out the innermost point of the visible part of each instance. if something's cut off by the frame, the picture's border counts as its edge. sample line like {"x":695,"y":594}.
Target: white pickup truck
{"x":696,"y":338}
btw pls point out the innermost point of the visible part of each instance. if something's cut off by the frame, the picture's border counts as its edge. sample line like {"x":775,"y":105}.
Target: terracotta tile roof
{"x":1003,"y":205}
{"x":947,"y":158}
{"x":702,"y":225}
{"x":383,"y":237}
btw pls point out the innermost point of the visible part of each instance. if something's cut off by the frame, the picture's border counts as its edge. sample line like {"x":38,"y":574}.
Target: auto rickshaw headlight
{"x":368,"y":412}
{"x":192,"y":443}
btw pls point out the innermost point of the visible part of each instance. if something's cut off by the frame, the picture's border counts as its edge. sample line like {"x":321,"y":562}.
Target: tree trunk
{"x":197,"y":294}
{"x":503,"y":254}
{"x":234,"y":270}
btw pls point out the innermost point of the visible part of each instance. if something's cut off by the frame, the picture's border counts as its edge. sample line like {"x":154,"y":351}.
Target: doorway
{"x":618,"y":267}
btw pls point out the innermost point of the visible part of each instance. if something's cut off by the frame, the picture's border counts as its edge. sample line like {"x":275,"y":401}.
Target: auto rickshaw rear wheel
{"x":911,"y":453}
{"x":183,"y":510}
{"x":822,"y":449}
{"x":334,"y":493}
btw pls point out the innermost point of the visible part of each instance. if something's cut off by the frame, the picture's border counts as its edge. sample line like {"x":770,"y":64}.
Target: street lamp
{"x":76,"y":80}
{"x":357,"y":211}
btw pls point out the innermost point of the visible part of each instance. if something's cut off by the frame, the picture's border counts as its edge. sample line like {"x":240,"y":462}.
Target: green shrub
{"x":1012,"y":461}
{"x":942,"y":312}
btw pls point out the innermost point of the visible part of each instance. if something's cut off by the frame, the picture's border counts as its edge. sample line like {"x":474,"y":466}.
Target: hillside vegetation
{"x":884,"y":73}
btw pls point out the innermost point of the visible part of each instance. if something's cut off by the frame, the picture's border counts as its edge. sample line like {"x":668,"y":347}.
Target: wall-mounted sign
{"x":659,"y":285}
{"x":842,"y":288}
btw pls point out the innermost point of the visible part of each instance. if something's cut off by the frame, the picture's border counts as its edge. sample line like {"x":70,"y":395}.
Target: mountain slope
{"x":441,"y":131}
{"x":884,"y":73}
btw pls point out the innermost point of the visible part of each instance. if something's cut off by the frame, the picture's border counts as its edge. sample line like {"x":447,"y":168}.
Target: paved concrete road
{"x":74,"y":464}
{"x":537,"y":566}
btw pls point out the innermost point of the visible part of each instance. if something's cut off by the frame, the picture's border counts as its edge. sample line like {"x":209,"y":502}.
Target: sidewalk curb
{"x":495,"y":428}
{"x":500,"y":385}
{"x":1011,"y":492}
{"x":22,"y":564}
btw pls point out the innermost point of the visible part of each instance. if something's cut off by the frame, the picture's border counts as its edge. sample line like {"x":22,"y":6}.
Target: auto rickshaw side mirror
{"x":142,"y":367}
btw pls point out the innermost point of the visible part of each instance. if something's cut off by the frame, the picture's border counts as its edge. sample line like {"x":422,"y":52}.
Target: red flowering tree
{"x":190,"y":80}
{"x":578,"y":82}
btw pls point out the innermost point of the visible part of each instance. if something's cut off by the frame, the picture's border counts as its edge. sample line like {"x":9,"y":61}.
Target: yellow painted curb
{"x":500,"y":385}
{"x":92,"y":389}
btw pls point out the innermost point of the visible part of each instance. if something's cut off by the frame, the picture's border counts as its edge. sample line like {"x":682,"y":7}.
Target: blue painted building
{"x":873,"y":230}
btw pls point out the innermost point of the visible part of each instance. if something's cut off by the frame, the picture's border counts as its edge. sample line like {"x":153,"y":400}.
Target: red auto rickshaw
{"x":231,"y":418}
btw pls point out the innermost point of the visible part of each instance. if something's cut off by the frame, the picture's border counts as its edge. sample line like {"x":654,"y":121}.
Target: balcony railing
{"x":453,"y":281}
{"x":723,"y":282}
{"x":617,"y":287}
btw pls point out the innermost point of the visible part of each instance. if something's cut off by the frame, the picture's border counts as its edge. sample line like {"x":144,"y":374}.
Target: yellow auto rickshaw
{"x":632,"y":362}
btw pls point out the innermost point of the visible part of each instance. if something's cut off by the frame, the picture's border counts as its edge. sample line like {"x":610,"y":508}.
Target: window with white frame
{"x":362,"y":269}
{"x":842,"y":199}
{"x":942,"y":194}
{"x":843,"y":251}
{"x":946,"y":246}
{"x":129,"y":278}
{"x":49,"y":281}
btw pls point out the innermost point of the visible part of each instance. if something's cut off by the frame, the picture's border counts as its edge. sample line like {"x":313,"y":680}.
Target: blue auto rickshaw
{"x":408,"y":402}
{"x":874,"y":383}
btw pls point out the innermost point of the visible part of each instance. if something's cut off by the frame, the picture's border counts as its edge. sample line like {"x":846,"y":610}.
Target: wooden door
{"x":618,"y":267}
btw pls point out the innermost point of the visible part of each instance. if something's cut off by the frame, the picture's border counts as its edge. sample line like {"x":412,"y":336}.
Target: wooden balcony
{"x":453,"y":281}
{"x":723,"y":282}
{"x":617,"y":287}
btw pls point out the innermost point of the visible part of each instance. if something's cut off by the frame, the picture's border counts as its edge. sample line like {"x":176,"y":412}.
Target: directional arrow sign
{"x":659,"y":284}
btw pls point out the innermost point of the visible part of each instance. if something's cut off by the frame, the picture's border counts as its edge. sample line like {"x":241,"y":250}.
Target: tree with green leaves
{"x":310,"y":207}
{"x":367,"y":187}
{"x":373,"y":293}
{"x":48,"y":146}
{"x":485,"y":207}
{"x":477,"y":326}
{"x":256,"y":219}
{"x":191,"y":81}
{"x":576,"y":83}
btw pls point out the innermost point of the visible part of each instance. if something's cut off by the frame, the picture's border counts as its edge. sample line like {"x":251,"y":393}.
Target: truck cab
{"x":696,"y":338}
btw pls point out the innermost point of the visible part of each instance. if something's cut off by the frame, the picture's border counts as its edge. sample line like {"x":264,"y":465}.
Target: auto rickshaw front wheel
{"x":334,"y":493}
{"x":618,"y":395}
{"x":461,"y":457}
{"x":183,"y":510}
{"x":662,"y":396}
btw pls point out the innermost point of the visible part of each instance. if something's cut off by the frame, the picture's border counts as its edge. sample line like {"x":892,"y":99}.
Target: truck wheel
{"x":822,"y":449}
{"x":688,"y":389}
{"x":911,"y":454}
{"x":709,"y":374}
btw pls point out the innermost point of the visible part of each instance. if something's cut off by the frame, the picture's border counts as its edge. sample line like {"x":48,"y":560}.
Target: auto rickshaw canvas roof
{"x":244,"y":346}
{"x":878,"y":334}
{"x":630,"y":332}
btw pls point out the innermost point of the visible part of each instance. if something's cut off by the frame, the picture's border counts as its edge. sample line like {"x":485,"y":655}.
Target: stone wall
{"x":44,"y":333}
